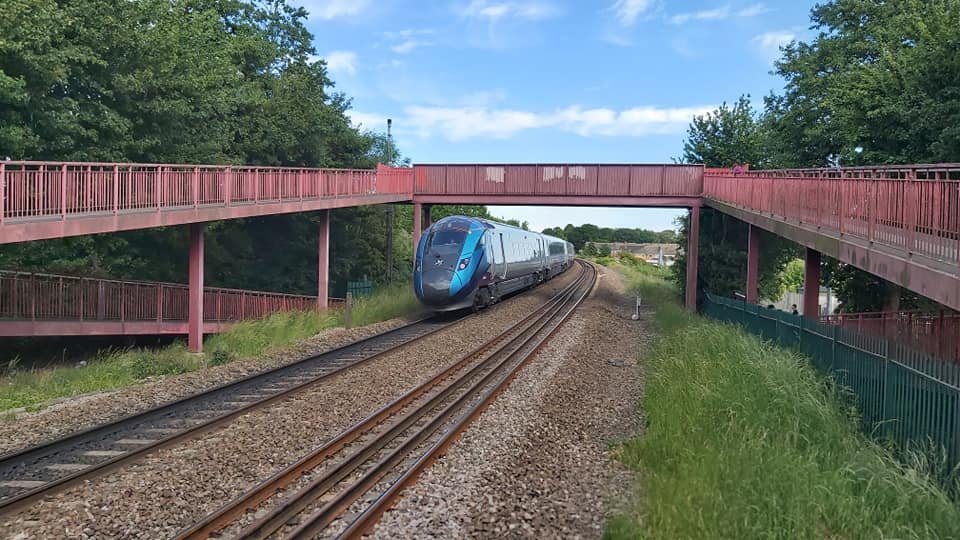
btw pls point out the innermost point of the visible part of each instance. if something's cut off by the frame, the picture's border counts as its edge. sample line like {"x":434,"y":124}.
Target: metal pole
{"x":195,"y":293}
{"x":753,"y":265}
{"x":811,"y":284}
{"x":390,"y":208}
{"x":323,"y":260}
{"x":693,"y":249}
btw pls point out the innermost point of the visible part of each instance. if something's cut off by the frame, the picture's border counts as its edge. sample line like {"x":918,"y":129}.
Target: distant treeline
{"x":581,"y":234}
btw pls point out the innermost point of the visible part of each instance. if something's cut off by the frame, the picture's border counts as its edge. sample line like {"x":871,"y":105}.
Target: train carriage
{"x":464,"y":262}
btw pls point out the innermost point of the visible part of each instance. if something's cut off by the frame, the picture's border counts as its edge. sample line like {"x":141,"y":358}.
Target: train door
{"x":500,"y":258}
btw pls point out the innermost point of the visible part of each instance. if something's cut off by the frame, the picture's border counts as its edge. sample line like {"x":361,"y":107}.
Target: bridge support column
{"x":323,"y":260}
{"x":427,"y":215}
{"x":693,"y":254}
{"x":753,"y":265}
{"x":811,"y":284}
{"x":195,"y":288}
{"x":417,"y":226}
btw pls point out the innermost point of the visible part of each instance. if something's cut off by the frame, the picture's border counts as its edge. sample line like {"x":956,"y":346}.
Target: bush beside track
{"x":116,"y":368}
{"x":744,"y":440}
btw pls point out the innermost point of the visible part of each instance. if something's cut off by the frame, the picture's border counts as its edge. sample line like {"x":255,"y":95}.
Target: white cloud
{"x":628,"y":11}
{"x":494,"y":10}
{"x":332,"y":9}
{"x":462,"y":123}
{"x":753,"y":11}
{"x":342,"y":62}
{"x":719,"y":14}
{"x":375,"y":122}
{"x":405,"y":41}
{"x":770,"y":42}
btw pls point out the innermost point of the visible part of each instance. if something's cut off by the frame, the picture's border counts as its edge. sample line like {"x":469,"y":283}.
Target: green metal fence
{"x":360,"y":288}
{"x":903,"y":395}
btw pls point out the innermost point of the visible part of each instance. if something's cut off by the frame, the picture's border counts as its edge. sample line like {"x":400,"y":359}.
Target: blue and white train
{"x":465,"y":262}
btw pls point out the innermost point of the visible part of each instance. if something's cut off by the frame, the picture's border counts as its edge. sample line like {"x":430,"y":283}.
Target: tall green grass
{"x":116,"y":368}
{"x":744,"y":440}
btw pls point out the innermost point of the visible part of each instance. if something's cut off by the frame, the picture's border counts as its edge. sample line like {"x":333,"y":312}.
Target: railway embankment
{"x":744,"y":440}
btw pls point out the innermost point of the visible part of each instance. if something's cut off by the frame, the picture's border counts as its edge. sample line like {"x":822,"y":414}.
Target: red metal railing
{"x":915,"y":208}
{"x":47,"y":297}
{"x":560,"y":179}
{"x":936,"y":334}
{"x":34,"y":190}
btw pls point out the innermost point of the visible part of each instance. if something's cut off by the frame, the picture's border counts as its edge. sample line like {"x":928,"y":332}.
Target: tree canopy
{"x":877,"y":84}
{"x":187,"y":81}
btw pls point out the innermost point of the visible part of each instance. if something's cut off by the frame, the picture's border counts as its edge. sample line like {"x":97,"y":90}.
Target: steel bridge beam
{"x":195,"y":284}
{"x":693,"y":256}
{"x":323,"y":260}
{"x":753,"y":266}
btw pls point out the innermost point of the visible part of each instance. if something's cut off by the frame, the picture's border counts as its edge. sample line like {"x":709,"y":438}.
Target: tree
{"x":186,"y":81}
{"x":724,"y":137}
{"x":727,"y":136}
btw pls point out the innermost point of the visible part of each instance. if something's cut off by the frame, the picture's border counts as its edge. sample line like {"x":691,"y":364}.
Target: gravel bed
{"x":168,"y":490}
{"x":72,"y":414}
{"x":538,"y":462}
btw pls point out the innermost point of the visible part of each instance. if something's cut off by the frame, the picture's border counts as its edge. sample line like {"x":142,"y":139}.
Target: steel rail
{"x":488,"y":368}
{"x":250,"y":500}
{"x":17,"y":460}
{"x":369,"y":517}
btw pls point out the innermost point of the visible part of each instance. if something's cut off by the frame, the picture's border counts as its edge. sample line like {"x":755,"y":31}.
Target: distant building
{"x":658,"y":254}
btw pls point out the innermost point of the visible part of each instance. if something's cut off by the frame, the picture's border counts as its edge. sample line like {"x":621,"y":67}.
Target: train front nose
{"x":435,"y":284}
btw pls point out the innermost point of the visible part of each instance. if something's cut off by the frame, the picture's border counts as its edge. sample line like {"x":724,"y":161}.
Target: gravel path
{"x":537,"y":463}
{"x":172,"y":488}
{"x":90,"y":410}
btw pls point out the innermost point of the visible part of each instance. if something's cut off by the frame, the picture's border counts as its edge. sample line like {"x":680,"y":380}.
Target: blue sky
{"x":605,"y":81}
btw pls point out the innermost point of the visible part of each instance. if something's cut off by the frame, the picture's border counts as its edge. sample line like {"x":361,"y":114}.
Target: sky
{"x":550,"y":81}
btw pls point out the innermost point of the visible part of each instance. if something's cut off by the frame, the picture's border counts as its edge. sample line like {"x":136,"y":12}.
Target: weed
{"x":744,"y":440}
{"x":220,"y":357}
{"x":113,"y":368}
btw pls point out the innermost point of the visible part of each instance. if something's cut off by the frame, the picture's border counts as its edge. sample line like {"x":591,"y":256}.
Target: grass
{"x":115,"y":368}
{"x":744,"y":440}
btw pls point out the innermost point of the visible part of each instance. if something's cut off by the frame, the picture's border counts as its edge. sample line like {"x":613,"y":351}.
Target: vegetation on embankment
{"x":115,"y":368}
{"x":744,"y":440}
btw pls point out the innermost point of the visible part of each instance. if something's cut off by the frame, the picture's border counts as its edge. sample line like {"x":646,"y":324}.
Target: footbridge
{"x":900,"y":223}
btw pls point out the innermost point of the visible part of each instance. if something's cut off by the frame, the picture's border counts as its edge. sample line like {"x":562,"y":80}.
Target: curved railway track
{"x":341,"y":488}
{"x":29,"y":474}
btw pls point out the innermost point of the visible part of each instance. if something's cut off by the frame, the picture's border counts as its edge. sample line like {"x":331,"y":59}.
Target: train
{"x":467,"y":262}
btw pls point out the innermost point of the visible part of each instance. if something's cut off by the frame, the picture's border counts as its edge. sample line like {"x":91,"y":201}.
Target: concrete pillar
{"x":417,"y":225}
{"x":323,"y":260}
{"x":693,"y":254}
{"x":811,"y":284}
{"x":195,"y":286}
{"x":753,"y":265}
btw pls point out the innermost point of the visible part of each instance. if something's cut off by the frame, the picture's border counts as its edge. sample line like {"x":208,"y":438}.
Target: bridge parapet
{"x":103,"y":306}
{"x":42,"y":199}
{"x":911,"y":208}
{"x":573,"y":181}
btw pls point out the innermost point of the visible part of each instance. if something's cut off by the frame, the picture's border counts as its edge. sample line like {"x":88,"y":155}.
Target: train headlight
{"x":463,"y":263}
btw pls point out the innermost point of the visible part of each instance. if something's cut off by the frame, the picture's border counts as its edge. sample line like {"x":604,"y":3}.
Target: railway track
{"x":29,"y":474}
{"x":342,"y":488}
